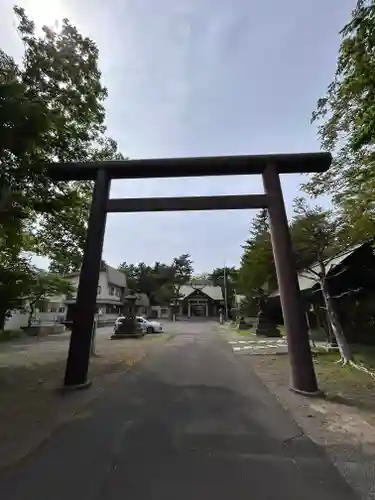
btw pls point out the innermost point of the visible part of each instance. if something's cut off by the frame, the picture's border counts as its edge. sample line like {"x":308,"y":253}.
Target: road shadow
{"x":151,"y":439}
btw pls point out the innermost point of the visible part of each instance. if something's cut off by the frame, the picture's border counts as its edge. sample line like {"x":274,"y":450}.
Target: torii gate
{"x":303,"y":378}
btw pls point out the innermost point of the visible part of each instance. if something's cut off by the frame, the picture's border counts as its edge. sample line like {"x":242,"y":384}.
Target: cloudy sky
{"x":200,"y":77}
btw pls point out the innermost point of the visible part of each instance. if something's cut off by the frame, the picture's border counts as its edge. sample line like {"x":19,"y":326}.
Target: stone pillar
{"x":189,"y":309}
{"x":302,"y":368}
{"x":80,"y":340}
{"x":207,"y":309}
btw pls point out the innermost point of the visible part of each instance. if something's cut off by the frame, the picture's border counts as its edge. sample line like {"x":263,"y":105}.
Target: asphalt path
{"x":191,"y":421}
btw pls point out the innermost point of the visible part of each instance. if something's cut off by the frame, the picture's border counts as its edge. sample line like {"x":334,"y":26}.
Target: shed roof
{"x":307,"y":279}
{"x":114,"y":276}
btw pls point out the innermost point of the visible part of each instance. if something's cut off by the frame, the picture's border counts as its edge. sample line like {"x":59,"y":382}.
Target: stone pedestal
{"x":128,"y":327}
{"x":242,"y":325}
{"x":43,"y":330}
{"x":266,"y":327}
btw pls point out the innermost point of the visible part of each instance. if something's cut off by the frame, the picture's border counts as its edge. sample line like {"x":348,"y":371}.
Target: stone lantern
{"x":174,"y":304}
{"x":128,"y":326}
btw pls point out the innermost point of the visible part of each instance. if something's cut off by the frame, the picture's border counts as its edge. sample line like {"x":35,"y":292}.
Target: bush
{"x":6,"y":335}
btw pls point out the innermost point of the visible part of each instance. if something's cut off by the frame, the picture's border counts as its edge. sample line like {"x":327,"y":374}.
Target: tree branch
{"x":347,"y":293}
{"x":316,"y":276}
{"x":334,"y":275}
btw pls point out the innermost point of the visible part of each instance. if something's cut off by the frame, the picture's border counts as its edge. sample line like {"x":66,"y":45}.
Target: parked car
{"x":126,"y":328}
{"x":147,"y":326}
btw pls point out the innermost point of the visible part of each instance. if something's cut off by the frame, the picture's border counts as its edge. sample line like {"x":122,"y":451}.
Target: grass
{"x":362,"y":355}
{"x":345,"y":384}
{"x":7,"y":335}
{"x":246,"y":333}
{"x":365,"y":355}
{"x":341,"y":384}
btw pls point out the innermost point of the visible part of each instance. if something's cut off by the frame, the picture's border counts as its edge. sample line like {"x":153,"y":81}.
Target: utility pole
{"x":225,"y":293}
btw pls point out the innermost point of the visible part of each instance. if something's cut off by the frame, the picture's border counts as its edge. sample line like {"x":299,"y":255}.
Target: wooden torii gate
{"x":303,"y":378}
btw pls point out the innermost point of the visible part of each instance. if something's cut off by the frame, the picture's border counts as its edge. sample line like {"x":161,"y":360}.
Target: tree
{"x":164,"y":294}
{"x":15,"y":278}
{"x":347,"y":126}
{"x":217,"y":278}
{"x":15,"y":267}
{"x":52,"y":109}
{"x":142,"y":278}
{"x":316,"y":237}
{"x":132,"y":276}
{"x":159,"y":282}
{"x":43,"y":286}
{"x":182,"y":268}
{"x":257,"y":265}
{"x":164,"y":287}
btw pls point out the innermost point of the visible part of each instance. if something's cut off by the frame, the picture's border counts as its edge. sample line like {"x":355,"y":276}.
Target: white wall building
{"x":111,"y":290}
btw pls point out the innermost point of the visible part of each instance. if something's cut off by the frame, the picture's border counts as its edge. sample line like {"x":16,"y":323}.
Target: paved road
{"x":191,"y":421}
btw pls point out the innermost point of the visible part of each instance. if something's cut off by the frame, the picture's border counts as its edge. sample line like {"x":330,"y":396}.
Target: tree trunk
{"x":93,"y":340}
{"x":30,"y":317}
{"x":344,"y":348}
{"x":3,"y":317}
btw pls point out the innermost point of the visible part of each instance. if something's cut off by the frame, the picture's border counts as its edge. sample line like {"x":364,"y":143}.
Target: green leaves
{"x":46,"y":285}
{"x":160,"y":281}
{"x":51,"y":109}
{"x":346,"y":117}
{"x":231,"y":282}
{"x":316,"y":234}
{"x":257,"y":264}
{"x":182,"y":268}
{"x":16,"y":275}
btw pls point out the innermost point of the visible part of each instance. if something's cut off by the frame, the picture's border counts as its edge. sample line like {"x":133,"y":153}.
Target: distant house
{"x":110,"y":300}
{"x":160,"y":312}
{"x":200,"y":299}
{"x":142,"y":304}
{"x":111,"y":290}
{"x":351,"y":278}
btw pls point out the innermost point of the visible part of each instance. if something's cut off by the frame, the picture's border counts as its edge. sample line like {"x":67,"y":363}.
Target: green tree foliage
{"x":257,"y":265}
{"x":316,"y":237}
{"x":43,"y":286}
{"x":316,"y":234}
{"x":346,"y":116}
{"x":232,"y":275}
{"x":159,"y":282}
{"x":15,"y":279}
{"x":52,"y":109}
{"x":182,"y":268}
{"x":132,"y":272}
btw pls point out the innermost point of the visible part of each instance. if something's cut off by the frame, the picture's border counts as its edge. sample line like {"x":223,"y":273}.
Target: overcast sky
{"x":200,"y":77}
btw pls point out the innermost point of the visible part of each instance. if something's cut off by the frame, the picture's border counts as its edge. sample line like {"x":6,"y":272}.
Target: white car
{"x":149,"y":326}
{"x":146,"y":325}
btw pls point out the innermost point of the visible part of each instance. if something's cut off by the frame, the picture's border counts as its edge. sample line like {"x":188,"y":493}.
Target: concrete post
{"x":302,"y":368}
